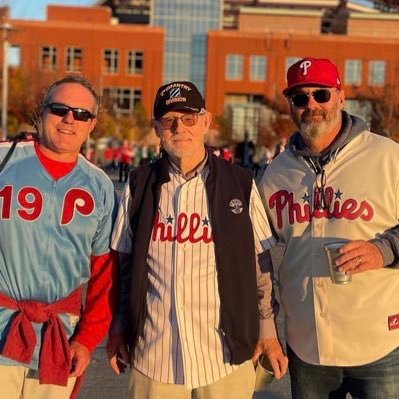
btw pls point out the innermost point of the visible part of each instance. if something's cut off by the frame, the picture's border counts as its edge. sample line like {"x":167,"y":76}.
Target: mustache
{"x":308,"y":113}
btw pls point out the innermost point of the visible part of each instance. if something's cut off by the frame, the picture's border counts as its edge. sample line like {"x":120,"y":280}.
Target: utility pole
{"x":5,"y":27}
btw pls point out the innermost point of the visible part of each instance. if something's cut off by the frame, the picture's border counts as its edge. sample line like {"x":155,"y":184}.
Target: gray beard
{"x":313,"y":130}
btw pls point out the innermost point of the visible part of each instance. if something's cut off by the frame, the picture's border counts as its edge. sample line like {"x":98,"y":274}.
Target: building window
{"x":74,"y":59}
{"x":111,"y":61}
{"x":233,"y":67}
{"x":135,"y":62}
{"x":14,"y":56}
{"x":257,"y":65}
{"x":122,"y":100}
{"x":48,"y":58}
{"x":377,"y":73}
{"x":353,"y":72}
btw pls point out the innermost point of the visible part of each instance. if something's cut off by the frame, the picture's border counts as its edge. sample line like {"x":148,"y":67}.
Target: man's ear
{"x":341,"y":99}
{"x":207,"y":121}
{"x":157,"y":128}
{"x":93,"y":123}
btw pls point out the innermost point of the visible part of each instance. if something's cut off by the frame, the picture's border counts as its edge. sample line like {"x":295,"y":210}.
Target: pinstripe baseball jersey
{"x":326,"y":323}
{"x":49,"y":229}
{"x":182,"y":341}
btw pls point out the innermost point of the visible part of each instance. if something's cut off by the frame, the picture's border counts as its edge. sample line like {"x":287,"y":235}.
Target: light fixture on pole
{"x":5,"y":27}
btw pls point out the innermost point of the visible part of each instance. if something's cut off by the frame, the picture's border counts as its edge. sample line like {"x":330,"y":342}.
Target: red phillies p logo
{"x":78,"y":200}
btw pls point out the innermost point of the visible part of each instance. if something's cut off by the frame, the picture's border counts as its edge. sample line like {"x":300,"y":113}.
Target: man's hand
{"x":80,"y":357}
{"x":271,"y":348}
{"x":116,"y":349}
{"x":359,"y":256}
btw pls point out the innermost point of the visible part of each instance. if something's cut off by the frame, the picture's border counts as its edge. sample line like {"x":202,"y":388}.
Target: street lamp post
{"x":6,"y":27}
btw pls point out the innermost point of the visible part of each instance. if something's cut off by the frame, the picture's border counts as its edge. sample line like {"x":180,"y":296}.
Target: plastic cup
{"x":264,"y":374}
{"x":332,"y":253}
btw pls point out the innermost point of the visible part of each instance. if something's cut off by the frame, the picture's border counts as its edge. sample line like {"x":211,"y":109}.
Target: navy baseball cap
{"x":177,"y":96}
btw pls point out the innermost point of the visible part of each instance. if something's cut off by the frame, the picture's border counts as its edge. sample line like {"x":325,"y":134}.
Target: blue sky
{"x":36,"y":9}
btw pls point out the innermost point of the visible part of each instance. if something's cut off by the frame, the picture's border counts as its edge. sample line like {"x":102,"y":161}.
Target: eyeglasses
{"x":321,"y":96}
{"x":322,"y":199}
{"x":187,"y":120}
{"x":79,"y":114}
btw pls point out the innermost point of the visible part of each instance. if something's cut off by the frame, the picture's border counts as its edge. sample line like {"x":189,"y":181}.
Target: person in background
{"x":244,"y":152}
{"x":281,"y":145}
{"x":196,"y":305}
{"x":125,"y":160}
{"x":261,"y":159}
{"x":336,"y":181}
{"x":226,"y":153}
{"x":57,"y":214}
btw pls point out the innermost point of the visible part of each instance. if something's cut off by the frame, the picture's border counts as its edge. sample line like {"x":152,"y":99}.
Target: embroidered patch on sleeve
{"x":393,"y":322}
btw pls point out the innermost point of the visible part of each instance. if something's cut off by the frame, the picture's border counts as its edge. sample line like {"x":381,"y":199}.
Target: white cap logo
{"x":305,"y":65}
{"x":236,"y":206}
{"x":175,"y":92}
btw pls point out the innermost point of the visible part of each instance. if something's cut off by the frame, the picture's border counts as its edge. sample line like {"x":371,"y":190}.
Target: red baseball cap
{"x":312,"y":71}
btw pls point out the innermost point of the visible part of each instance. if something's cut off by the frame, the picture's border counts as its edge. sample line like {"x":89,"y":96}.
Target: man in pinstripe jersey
{"x":196,"y":305}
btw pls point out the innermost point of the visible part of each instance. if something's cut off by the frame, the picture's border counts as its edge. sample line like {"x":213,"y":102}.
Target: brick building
{"x":124,"y":62}
{"x":247,"y":67}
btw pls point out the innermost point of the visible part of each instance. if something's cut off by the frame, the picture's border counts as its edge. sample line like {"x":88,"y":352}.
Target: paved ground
{"x":101,"y":383}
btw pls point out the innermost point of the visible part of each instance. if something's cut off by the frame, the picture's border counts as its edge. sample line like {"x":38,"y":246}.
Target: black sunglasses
{"x":321,"y":96}
{"x":79,"y":114}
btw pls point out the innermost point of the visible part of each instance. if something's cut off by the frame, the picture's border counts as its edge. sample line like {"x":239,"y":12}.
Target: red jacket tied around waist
{"x":54,"y":360}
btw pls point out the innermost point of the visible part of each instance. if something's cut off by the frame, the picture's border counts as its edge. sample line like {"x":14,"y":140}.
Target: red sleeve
{"x":100,"y":301}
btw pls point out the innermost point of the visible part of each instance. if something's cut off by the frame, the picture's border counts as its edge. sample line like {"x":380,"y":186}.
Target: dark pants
{"x":124,"y":168}
{"x":376,"y":380}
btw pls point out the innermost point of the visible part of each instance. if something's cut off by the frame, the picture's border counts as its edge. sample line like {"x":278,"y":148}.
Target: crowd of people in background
{"x":122,"y":156}
{"x":125,"y":155}
{"x":251,"y":156}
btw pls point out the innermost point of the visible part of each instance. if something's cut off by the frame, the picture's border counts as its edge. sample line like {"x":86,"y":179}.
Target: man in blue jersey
{"x":56,"y":212}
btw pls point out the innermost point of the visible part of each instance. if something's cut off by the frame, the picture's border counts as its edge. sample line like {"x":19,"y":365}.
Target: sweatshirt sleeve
{"x":388,"y":244}
{"x":264,"y":241}
{"x":100,"y":301}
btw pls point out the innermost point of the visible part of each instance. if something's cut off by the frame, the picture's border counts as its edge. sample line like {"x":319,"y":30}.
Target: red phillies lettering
{"x":188,"y":228}
{"x":5,"y":195}
{"x":31,"y":201}
{"x":78,"y":200}
{"x":349,"y":209}
{"x":165,"y":230}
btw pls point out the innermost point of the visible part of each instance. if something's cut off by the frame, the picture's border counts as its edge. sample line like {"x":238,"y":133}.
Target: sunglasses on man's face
{"x":187,"y":120}
{"x":321,"y":96}
{"x":79,"y":114}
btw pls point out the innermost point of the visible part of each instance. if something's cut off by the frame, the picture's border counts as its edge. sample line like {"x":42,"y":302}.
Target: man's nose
{"x":68,"y":118}
{"x":312,"y":103}
{"x":177,"y":125}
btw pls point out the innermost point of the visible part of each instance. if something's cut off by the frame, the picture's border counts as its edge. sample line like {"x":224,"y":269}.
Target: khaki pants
{"x":18,"y":382}
{"x":237,"y":385}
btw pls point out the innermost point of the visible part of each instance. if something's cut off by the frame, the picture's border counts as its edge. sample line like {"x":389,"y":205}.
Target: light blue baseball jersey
{"x":48,"y":231}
